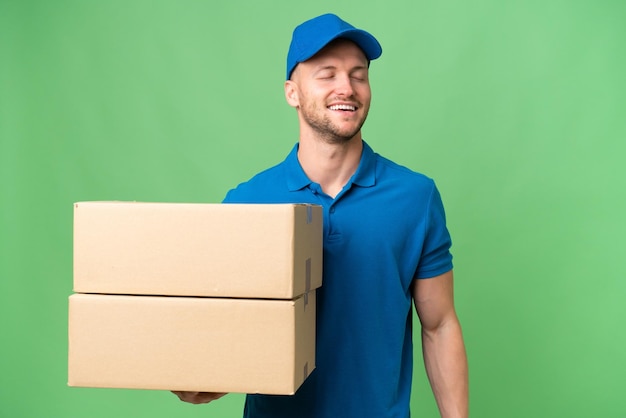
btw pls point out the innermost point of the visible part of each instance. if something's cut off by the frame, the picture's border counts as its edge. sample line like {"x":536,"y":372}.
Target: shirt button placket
{"x":331,"y":225}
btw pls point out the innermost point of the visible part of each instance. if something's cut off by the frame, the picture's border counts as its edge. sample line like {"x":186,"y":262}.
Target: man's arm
{"x":442,"y":344}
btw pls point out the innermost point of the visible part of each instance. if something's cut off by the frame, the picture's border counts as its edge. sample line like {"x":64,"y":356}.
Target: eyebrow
{"x":333,"y":67}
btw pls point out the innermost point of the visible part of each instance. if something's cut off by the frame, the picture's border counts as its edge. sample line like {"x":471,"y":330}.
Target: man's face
{"x":333,"y":91}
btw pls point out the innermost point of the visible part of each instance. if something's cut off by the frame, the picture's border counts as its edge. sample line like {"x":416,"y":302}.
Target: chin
{"x":336,"y":138}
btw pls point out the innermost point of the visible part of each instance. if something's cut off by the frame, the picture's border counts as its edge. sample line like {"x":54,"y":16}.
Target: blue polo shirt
{"x":385,"y":229}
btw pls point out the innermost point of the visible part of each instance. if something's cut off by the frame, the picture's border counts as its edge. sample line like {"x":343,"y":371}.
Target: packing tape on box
{"x":307,"y":282}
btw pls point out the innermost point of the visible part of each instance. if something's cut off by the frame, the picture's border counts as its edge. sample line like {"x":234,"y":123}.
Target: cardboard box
{"x":190,"y":343}
{"x":180,"y":249}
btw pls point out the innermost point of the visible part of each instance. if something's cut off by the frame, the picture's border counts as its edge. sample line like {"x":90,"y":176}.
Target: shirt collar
{"x":296,"y":177}
{"x":365,"y":175}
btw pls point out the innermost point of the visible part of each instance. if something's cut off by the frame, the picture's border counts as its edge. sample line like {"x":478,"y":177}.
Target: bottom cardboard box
{"x":191,"y":343}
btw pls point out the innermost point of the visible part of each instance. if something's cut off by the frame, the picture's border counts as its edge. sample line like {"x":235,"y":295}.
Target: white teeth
{"x":342,"y":107}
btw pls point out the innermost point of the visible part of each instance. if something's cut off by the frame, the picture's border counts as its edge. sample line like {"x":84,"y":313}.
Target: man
{"x":386,"y":245}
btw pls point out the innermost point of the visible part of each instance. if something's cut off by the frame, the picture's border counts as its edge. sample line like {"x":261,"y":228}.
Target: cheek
{"x":366,"y":99}
{"x":364,"y":92}
{"x":313,"y":98}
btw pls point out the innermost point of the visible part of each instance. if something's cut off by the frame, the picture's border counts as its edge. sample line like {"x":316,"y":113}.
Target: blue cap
{"x":313,"y":35}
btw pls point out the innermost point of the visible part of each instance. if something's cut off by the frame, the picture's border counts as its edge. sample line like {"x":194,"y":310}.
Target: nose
{"x":344,"y":85}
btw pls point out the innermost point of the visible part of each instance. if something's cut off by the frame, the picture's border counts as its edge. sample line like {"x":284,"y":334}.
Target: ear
{"x":291,"y":93}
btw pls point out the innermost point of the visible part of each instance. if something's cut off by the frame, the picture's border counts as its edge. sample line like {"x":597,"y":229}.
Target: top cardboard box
{"x":269,"y":251}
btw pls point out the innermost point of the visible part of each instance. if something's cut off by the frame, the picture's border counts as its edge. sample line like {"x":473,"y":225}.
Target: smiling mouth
{"x":344,"y":107}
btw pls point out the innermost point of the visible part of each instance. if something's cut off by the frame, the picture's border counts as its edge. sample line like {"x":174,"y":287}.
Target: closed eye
{"x":359,"y":75}
{"x":325,"y":75}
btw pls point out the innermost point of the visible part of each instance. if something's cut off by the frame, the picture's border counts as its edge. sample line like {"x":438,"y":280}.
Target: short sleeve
{"x":436,"y":257}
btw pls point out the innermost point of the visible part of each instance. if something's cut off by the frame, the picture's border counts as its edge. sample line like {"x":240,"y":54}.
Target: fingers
{"x":197,"y":398}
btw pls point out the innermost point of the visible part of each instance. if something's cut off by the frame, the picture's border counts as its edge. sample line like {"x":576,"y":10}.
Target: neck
{"x":331,"y":165}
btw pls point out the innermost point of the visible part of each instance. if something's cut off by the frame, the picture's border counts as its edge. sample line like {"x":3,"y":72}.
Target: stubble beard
{"x":325,"y":129}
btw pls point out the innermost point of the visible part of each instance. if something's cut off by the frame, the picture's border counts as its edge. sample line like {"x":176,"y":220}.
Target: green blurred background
{"x":516,"y":108}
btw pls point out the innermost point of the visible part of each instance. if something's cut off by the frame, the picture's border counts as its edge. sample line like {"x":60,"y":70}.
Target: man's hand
{"x":197,"y":398}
